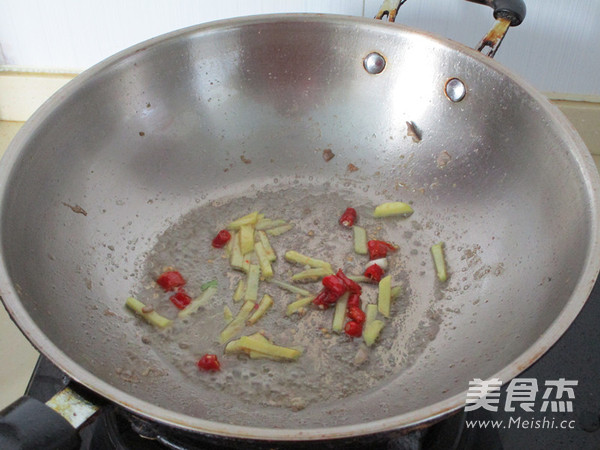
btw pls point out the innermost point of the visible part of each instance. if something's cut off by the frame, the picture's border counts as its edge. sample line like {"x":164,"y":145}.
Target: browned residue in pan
{"x":413,"y":132}
{"x":76,"y":209}
{"x":328,"y":155}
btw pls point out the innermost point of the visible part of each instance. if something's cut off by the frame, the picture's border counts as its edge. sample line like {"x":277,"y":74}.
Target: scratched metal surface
{"x":157,"y":126}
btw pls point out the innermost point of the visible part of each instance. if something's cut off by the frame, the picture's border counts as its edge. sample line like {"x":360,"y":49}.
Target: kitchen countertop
{"x":20,"y":357}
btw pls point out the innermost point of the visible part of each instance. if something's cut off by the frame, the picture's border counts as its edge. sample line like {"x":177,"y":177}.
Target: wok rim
{"x":405,"y":422}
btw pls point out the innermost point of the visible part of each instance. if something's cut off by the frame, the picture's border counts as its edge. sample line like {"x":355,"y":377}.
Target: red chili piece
{"x":335,"y":285}
{"x":325,"y":298}
{"x":353,"y":301}
{"x":170,"y":280}
{"x":348,"y":218}
{"x":221,"y":239}
{"x":180,"y":299}
{"x":352,"y":286}
{"x":379,"y":249}
{"x":209,"y":362}
{"x":374,"y":272}
{"x":356,"y":314}
{"x":353,"y":329}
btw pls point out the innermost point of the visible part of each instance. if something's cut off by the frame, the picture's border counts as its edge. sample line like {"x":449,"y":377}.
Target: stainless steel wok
{"x":223,"y":110}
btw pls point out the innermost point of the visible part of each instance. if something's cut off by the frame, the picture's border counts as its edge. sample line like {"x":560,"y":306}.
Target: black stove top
{"x":575,"y":357}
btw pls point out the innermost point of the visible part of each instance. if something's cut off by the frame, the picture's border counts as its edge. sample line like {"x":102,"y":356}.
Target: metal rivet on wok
{"x":455,"y":89}
{"x":374,"y":63}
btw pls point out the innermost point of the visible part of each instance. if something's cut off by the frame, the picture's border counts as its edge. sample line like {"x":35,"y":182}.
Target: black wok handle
{"x":508,"y":13}
{"x":513,"y":10}
{"x":29,"y":424}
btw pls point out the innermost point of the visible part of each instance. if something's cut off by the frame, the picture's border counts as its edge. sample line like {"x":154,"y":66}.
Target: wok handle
{"x":513,"y":10}
{"x":29,"y":424}
{"x":508,"y":13}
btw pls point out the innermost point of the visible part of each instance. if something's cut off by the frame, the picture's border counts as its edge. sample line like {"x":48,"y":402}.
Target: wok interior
{"x":163,"y":129}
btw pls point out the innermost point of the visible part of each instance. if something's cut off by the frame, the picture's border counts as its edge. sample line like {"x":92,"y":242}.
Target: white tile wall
{"x":74,"y":34}
{"x":555,"y":48}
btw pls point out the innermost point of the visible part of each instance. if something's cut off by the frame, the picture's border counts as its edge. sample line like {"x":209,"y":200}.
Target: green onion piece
{"x":246,"y":262}
{"x":248,"y":219}
{"x":340,"y":313}
{"x":197,"y":303}
{"x":280,"y":230}
{"x":298,"y":305}
{"x":269,"y":349}
{"x":395,"y":292}
{"x":371,"y":332}
{"x":264,"y":240}
{"x":359,"y":278}
{"x":311,"y":274}
{"x":246,"y":238}
{"x":227,"y":314}
{"x":228,"y":247}
{"x":371,"y":313}
{"x":298,"y":258}
{"x":235,"y":347}
{"x":252,"y":283}
{"x":290,"y":287}
{"x":372,"y":325}
{"x":211,"y":283}
{"x":153,"y":318}
{"x":392,"y":209}
{"x":263,"y":260}
{"x":265,"y":303}
{"x":266,"y":224}
{"x":437,"y":251}
{"x":236,"y":259}
{"x":238,"y":323}
{"x":360,"y":240}
{"x":384,"y":296}
{"x":274,"y":352}
{"x":239,"y":291}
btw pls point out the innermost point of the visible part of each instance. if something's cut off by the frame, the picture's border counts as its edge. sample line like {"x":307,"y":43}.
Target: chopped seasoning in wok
{"x":393,"y":209}
{"x":352,"y":286}
{"x":151,"y":316}
{"x":221,"y":239}
{"x":247,"y":248}
{"x":181,"y":299}
{"x":353,"y":329}
{"x":374,"y":272}
{"x":348,"y":218}
{"x":209,"y":363}
{"x":372,"y":326}
{"x":379,"y":249}
{"x":170,"y":280}
{"x":437,"y":252}
{"x":356,"y":314}
{"x":360,"y":240}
